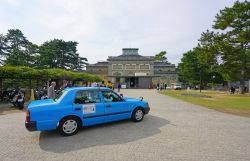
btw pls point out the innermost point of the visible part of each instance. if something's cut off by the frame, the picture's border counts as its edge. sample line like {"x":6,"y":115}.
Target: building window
{"x":117,"y":73}
{"x":131,"y":74}
{"x":117,"y":66}
{"x":144,"y":66}
{"x":130,"y":66}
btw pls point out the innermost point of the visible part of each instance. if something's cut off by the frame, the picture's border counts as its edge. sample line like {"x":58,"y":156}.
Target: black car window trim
{"x":121,"y":99}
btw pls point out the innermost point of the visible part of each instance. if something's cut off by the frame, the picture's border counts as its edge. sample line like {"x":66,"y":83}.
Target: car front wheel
{"x":138,"y":115}
{"x":69,"y":126}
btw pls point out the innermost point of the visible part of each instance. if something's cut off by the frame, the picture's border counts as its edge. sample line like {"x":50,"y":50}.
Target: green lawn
{"x":220,"y":101}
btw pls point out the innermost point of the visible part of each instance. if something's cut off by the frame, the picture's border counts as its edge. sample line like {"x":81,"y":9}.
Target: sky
{"x":103,"y":27}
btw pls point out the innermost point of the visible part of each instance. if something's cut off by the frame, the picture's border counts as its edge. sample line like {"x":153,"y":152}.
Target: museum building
{"x":133,"y":70}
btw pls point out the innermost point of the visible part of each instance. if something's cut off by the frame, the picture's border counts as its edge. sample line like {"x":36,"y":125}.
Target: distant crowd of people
{"x":51,"y":92}
{"x":161,"y":86}
{"x":234,"y":90}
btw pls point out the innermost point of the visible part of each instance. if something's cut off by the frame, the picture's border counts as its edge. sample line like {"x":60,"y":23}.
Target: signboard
{"x":123,"y":86}
{"x":140,"y":74}
{"x":88,"y":108}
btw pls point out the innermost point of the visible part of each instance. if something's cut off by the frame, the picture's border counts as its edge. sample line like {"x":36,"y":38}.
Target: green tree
{"x":188,"y":69}
{"x":207,"y":54}
{"x":233,"y":41}
{"x":199,"y":66}
{"x":17,"y":49}
{"x":51,"y":54}
{"x":161,"y":56}
{"x":61,"y":54}
{"x":48,"y":54}
{"x":32,"y":54}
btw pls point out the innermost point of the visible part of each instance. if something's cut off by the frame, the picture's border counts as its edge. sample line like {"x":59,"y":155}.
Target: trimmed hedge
{"x":23,"y":72}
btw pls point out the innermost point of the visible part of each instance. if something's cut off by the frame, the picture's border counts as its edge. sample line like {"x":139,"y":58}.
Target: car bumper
{"x":31,"y":126}
{"x":147,"y":109}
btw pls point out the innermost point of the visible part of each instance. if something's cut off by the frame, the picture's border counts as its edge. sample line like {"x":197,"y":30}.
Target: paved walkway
{"x":174,"y":130}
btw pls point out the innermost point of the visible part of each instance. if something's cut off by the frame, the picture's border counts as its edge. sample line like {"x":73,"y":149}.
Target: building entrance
{"x":134,"y":82}
{"x":131,"y":82}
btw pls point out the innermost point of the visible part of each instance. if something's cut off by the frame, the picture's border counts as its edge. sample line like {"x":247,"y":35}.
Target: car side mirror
{"x":121,"y":95}
{"x":141,"y":98}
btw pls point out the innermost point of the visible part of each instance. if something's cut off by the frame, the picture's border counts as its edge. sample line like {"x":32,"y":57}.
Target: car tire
{"x":69,"y":126}
{"x":137,"y":115}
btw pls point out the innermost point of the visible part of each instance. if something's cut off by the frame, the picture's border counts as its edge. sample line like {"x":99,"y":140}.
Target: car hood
{"x":131,"y":99}
{"x":38,"y":103}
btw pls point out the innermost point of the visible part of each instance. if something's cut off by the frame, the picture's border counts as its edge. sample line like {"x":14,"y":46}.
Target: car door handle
{"x":77,"y":109}
{"x":108,"y":106}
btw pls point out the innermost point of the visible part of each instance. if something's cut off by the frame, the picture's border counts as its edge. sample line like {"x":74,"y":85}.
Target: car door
{"x":88,"y":103}
{"x":115,"y":107}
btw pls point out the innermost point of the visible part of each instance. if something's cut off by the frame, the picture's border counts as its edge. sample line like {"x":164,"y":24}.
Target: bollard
{"x":32,"y":95}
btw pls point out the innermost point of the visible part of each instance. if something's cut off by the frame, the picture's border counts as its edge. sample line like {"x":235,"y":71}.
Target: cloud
{"x":10,"y":2}
{"x":103,"y":28}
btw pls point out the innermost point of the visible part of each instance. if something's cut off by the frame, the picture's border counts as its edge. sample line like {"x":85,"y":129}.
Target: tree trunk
{"x":242,"y":81}
{"x":242,"y":87}
{"x":243,"y":71}
{"x":1,"y":86}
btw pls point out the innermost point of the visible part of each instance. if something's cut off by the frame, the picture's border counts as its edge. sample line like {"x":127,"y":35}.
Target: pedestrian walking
{"x":51,"y":90}
{"x":103,"y":84}
{"x":161,"y":86}
{"x":119,"y":87}
{"x":157,"y":86}
{"x":232,"y":90}
{"x":110,"y":85}
{"x":165,"y":86}
{"x":64,"y":85}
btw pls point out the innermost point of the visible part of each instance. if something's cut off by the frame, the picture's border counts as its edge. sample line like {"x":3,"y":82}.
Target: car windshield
{"x":60,"y":95}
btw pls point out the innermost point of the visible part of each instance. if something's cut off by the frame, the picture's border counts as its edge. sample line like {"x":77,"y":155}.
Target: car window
{"x":60,"y":95}
{"x":110,"y":96}
{"x":85,"y":97}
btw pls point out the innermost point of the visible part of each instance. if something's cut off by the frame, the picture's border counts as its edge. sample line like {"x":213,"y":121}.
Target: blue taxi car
{"x":76,"y":107}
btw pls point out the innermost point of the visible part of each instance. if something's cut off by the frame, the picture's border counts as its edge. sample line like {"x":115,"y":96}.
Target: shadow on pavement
{"x":8,"y":108}
{"x":105,"y":134}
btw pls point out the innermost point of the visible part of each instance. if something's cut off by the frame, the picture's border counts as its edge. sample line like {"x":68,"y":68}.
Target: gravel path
{"x":174,"y":130}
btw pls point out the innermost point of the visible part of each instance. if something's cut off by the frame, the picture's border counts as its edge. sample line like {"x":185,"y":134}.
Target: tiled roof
{"x":130,"y":57}
{"x":102,"y":63}
{"x":159,"y":63}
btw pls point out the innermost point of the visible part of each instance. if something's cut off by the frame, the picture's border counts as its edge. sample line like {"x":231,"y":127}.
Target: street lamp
{"x":213,"y":82}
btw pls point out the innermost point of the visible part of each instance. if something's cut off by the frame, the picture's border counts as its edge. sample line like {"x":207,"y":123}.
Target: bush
{"x":23,"y":72}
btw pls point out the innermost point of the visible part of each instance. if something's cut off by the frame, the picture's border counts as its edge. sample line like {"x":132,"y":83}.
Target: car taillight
{"x":27,"y":116}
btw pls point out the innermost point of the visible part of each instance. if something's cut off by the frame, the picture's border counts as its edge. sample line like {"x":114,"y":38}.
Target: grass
{"x":221,"y":101}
